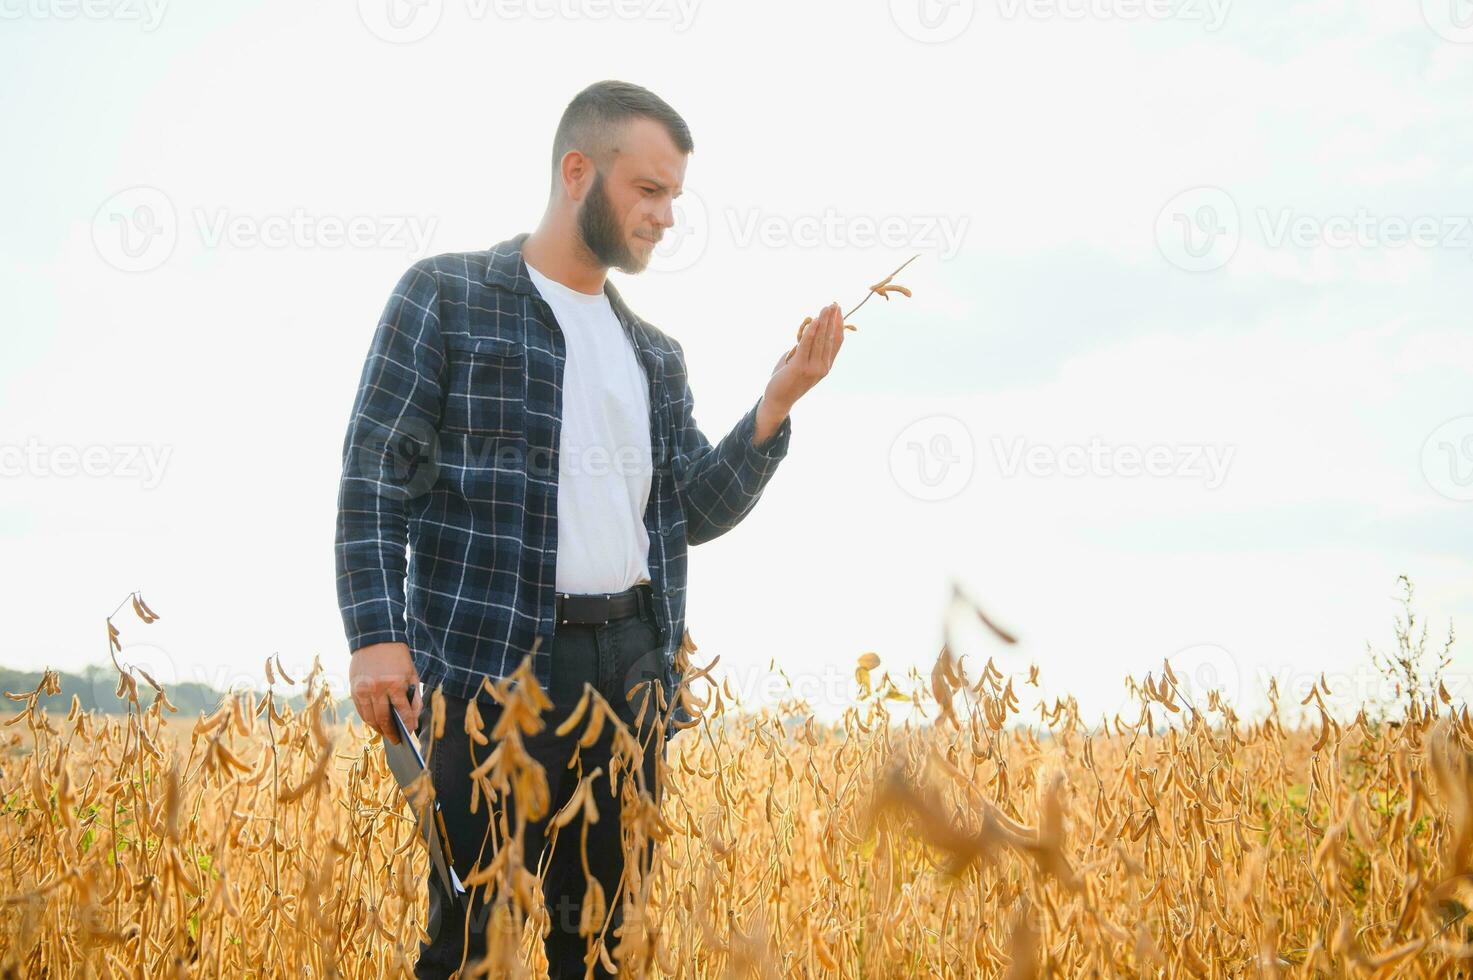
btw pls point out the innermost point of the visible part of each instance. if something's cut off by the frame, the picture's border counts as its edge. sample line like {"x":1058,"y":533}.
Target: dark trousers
{"x":612,"y":657}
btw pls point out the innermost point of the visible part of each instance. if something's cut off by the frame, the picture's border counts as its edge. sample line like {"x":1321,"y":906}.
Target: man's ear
{"x":577,"y":174}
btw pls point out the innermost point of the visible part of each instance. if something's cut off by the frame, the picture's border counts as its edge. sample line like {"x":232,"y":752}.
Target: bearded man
{"x":530,"y":440}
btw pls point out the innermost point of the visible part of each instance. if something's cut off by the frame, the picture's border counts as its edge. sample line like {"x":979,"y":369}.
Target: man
{"x":532,"y":442}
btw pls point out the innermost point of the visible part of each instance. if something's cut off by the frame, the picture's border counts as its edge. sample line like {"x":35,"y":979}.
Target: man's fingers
{"x":397,"y":695}
{"x":416,"y":705}
{"x":828,"y":335}
{"x":363,"y":689}
{"x":825,"y":340}
{"x":805,"y":346}
{"x":818,"y":344}
{"x":838,"y":341}
{"x":380,"y":708}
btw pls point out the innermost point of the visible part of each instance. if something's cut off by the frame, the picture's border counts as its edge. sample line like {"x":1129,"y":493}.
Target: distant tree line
{"x":95,"y":685}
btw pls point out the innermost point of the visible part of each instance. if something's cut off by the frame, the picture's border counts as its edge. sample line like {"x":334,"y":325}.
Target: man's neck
{"x":559,"y":255}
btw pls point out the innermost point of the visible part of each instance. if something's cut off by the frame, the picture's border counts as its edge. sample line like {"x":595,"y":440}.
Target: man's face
{"x":626,"y":210}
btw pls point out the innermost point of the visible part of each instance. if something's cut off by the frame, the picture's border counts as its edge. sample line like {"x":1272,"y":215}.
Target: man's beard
{"x":602,"y":233}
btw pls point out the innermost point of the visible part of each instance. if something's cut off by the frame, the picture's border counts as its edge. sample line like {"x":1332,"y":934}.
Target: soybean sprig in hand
{"x":883,"y":289}
{"x":808,"y":363}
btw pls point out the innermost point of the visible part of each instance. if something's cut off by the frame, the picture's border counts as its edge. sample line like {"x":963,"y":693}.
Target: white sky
{"x":1047,"y":162}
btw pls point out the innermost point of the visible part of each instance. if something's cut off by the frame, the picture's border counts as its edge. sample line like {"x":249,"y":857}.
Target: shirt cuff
{"x":776,"y":446}
{"x":366,"y":638}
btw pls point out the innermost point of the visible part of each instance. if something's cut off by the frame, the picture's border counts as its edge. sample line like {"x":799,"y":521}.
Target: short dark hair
{"x":591,"y":121}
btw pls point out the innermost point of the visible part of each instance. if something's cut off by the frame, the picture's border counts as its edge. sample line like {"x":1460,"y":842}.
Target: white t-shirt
{"x":604,"y":456}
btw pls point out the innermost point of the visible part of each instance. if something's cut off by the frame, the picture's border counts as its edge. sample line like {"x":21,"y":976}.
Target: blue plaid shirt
{"x":452,"y":450}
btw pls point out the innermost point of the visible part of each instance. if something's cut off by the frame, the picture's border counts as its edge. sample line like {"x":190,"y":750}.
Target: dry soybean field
{"x":950,"y":825}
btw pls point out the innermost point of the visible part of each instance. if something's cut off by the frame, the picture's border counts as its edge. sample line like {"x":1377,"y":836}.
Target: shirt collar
{"x":506,"y":268}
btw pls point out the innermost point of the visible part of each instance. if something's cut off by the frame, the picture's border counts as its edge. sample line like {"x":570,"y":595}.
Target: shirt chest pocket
{"x":486,"y":386}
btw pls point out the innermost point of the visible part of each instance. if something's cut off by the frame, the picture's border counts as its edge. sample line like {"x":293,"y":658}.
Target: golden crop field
{"x":995,"y":838}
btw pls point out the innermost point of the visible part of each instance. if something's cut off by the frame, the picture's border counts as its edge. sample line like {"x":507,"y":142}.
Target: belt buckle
{"x":588,"y":622}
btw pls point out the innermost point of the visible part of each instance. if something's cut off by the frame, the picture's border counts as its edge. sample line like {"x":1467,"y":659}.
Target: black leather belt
{"x":600,"y":608}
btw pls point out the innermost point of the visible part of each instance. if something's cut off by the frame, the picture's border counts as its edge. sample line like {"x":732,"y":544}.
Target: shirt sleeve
{"x":388,"y":460}
{"x":718,"y":485}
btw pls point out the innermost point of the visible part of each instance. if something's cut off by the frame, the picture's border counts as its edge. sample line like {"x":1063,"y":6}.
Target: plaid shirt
{"x":452,"y":450}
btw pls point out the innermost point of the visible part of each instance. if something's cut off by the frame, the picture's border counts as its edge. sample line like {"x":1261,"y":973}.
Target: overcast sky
{"x":1186,"y":372}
